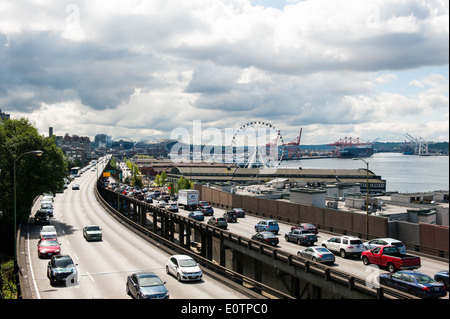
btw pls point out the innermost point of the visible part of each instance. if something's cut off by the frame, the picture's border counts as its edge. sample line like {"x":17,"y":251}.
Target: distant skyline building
{"x":75,"y":147}
{"x":102,"y":141}
{"x":4,"y":116}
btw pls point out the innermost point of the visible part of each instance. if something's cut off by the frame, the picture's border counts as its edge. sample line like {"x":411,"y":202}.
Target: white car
{"x":345,"y":245}
{"x":48,"y":231}
{"x":184,"y":268}
{"x":371,"y":244}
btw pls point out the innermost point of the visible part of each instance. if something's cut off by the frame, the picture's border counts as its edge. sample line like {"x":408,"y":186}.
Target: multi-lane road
{"x":103,"y":266}
{"x":352,"y":265}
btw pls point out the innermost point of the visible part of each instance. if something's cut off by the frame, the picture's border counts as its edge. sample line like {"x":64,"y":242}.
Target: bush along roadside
{"x":8,"y":279}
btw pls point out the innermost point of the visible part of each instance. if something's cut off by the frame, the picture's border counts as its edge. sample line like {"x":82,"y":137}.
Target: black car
{"x":62,"y":269}
{"x":41,"y":217}
{"x":230,"y":216}
{"x":239,"y":212}
{"x":207,"y":210}
{"x":146,"y":285}
{"x":266,"y":237}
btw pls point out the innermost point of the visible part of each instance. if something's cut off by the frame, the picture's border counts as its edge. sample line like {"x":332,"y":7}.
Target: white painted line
{"x":31,"y":267}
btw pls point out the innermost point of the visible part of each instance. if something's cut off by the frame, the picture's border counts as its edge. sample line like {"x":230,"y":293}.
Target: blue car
{"x":414,"y":283}
{"x":197,"y":215}
{"x":268,"y":225}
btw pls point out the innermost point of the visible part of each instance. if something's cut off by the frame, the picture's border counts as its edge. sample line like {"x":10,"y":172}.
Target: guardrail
{"x":327,"y":273}
{"x":246,"y":282}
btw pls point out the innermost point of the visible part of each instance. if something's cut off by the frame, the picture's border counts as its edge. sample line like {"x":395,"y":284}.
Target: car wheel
{"x":365,"y":260}
{"x":299,"y":242}
{"x":167,"y":270}
{"x":179,"y":277}
{"x":343,"y":254}
{"x":314,"y":259}
{"x":391,"y":267}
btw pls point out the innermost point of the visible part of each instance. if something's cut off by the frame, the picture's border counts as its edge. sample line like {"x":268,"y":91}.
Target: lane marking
{"x":31,"y":267}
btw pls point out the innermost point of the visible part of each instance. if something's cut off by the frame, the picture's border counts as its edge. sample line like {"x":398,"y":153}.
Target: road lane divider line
{"x":31,"y":268}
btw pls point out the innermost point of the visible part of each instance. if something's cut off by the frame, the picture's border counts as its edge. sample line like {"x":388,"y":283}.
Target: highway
{"x":104,"y":266}
{"x":352,"y":265}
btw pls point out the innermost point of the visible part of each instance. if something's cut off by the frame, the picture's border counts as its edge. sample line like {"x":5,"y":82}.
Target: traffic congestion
{"x":412,"y":274}
{"x":79,"y":251}
{"x":305,"y":240}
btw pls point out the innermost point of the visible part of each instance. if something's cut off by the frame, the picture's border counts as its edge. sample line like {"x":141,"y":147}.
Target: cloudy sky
{"x":335,"y":68}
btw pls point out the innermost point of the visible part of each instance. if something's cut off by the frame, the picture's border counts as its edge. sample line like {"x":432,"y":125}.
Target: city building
{"x":75,"y":147}
{"x":3,"y":116}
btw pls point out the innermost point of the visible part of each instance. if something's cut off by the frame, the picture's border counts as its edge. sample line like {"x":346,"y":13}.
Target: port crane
{"x":419,"y":145}
{"x":293,"y":148}
{"x":348,"y":142}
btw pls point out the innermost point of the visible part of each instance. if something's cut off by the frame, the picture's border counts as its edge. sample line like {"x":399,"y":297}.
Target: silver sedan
{"x":317,"y":253}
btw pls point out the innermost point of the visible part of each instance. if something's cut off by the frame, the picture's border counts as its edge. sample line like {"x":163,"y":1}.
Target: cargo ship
{"x":356,"y":151}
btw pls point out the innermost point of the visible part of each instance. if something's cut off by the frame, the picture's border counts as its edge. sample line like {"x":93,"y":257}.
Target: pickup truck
{"x":390,"y":257}
{"x":301,"y":236}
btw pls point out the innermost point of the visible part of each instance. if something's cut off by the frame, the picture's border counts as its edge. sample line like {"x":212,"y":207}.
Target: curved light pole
{"x":367,"y":195}
{"x":37,"y":153}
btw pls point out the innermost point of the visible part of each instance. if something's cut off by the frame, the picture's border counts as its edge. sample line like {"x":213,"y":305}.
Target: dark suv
{"x":62,"y":269}
{"x":41,"y":217}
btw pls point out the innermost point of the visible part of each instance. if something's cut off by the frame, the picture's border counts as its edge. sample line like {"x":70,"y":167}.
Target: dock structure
{"x":312,"y":177}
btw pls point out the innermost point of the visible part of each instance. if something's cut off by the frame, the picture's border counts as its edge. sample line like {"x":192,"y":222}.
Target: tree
{"x":163,"y":178}
{"x":34,"y":175}
{"x":184,"y":183}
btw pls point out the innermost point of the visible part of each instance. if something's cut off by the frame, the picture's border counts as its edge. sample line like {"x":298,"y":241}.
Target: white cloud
{"x":146,"y":67}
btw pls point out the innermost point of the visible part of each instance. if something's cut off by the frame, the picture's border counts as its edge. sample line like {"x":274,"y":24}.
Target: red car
{"x":47,"y":247}
{"x":313,"y":229}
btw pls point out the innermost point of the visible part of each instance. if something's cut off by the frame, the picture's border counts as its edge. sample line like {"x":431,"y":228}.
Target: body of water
{"x":402,"y":173}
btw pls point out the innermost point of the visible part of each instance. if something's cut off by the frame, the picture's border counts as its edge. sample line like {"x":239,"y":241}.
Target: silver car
{"x":317,"y":253}
{"x":371,"y":244}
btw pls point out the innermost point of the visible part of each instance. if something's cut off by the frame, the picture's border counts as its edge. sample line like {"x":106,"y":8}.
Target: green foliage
{"x":184,"y":183}
{"x":8,"y":279}
{"x":163,"y":178}
{"x":113,"y":162}
{"x":171,"y":188}
{"x":34,"y":175}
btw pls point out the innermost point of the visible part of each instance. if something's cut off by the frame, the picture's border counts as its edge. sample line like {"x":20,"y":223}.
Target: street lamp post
{"x":367,"y":195}
{"x":37,"y":153}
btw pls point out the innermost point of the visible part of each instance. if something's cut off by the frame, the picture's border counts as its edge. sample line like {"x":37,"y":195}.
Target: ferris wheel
{"x":257,"y":144}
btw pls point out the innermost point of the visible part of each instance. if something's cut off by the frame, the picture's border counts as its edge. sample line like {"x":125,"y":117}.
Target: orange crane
{"x":293,"y":148}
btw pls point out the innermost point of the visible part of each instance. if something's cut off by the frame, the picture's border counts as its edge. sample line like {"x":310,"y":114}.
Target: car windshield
{"x":321,"y":250}
{"x":93,"y":228}
{"x":268,"y":235}
{"x":397,"y":244}
{"x":48,"y":229}
{"x":63,"y":263}
{"x":356,"y":242}
{"x":187,"y":263}
{"x":273,"y":223}
{"x":424,"y":279}
{"x":149,"y":281}
{"x":48,"y":243}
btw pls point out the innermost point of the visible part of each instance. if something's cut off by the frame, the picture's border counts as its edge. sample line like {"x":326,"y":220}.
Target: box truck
{"x":188,"y":198}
